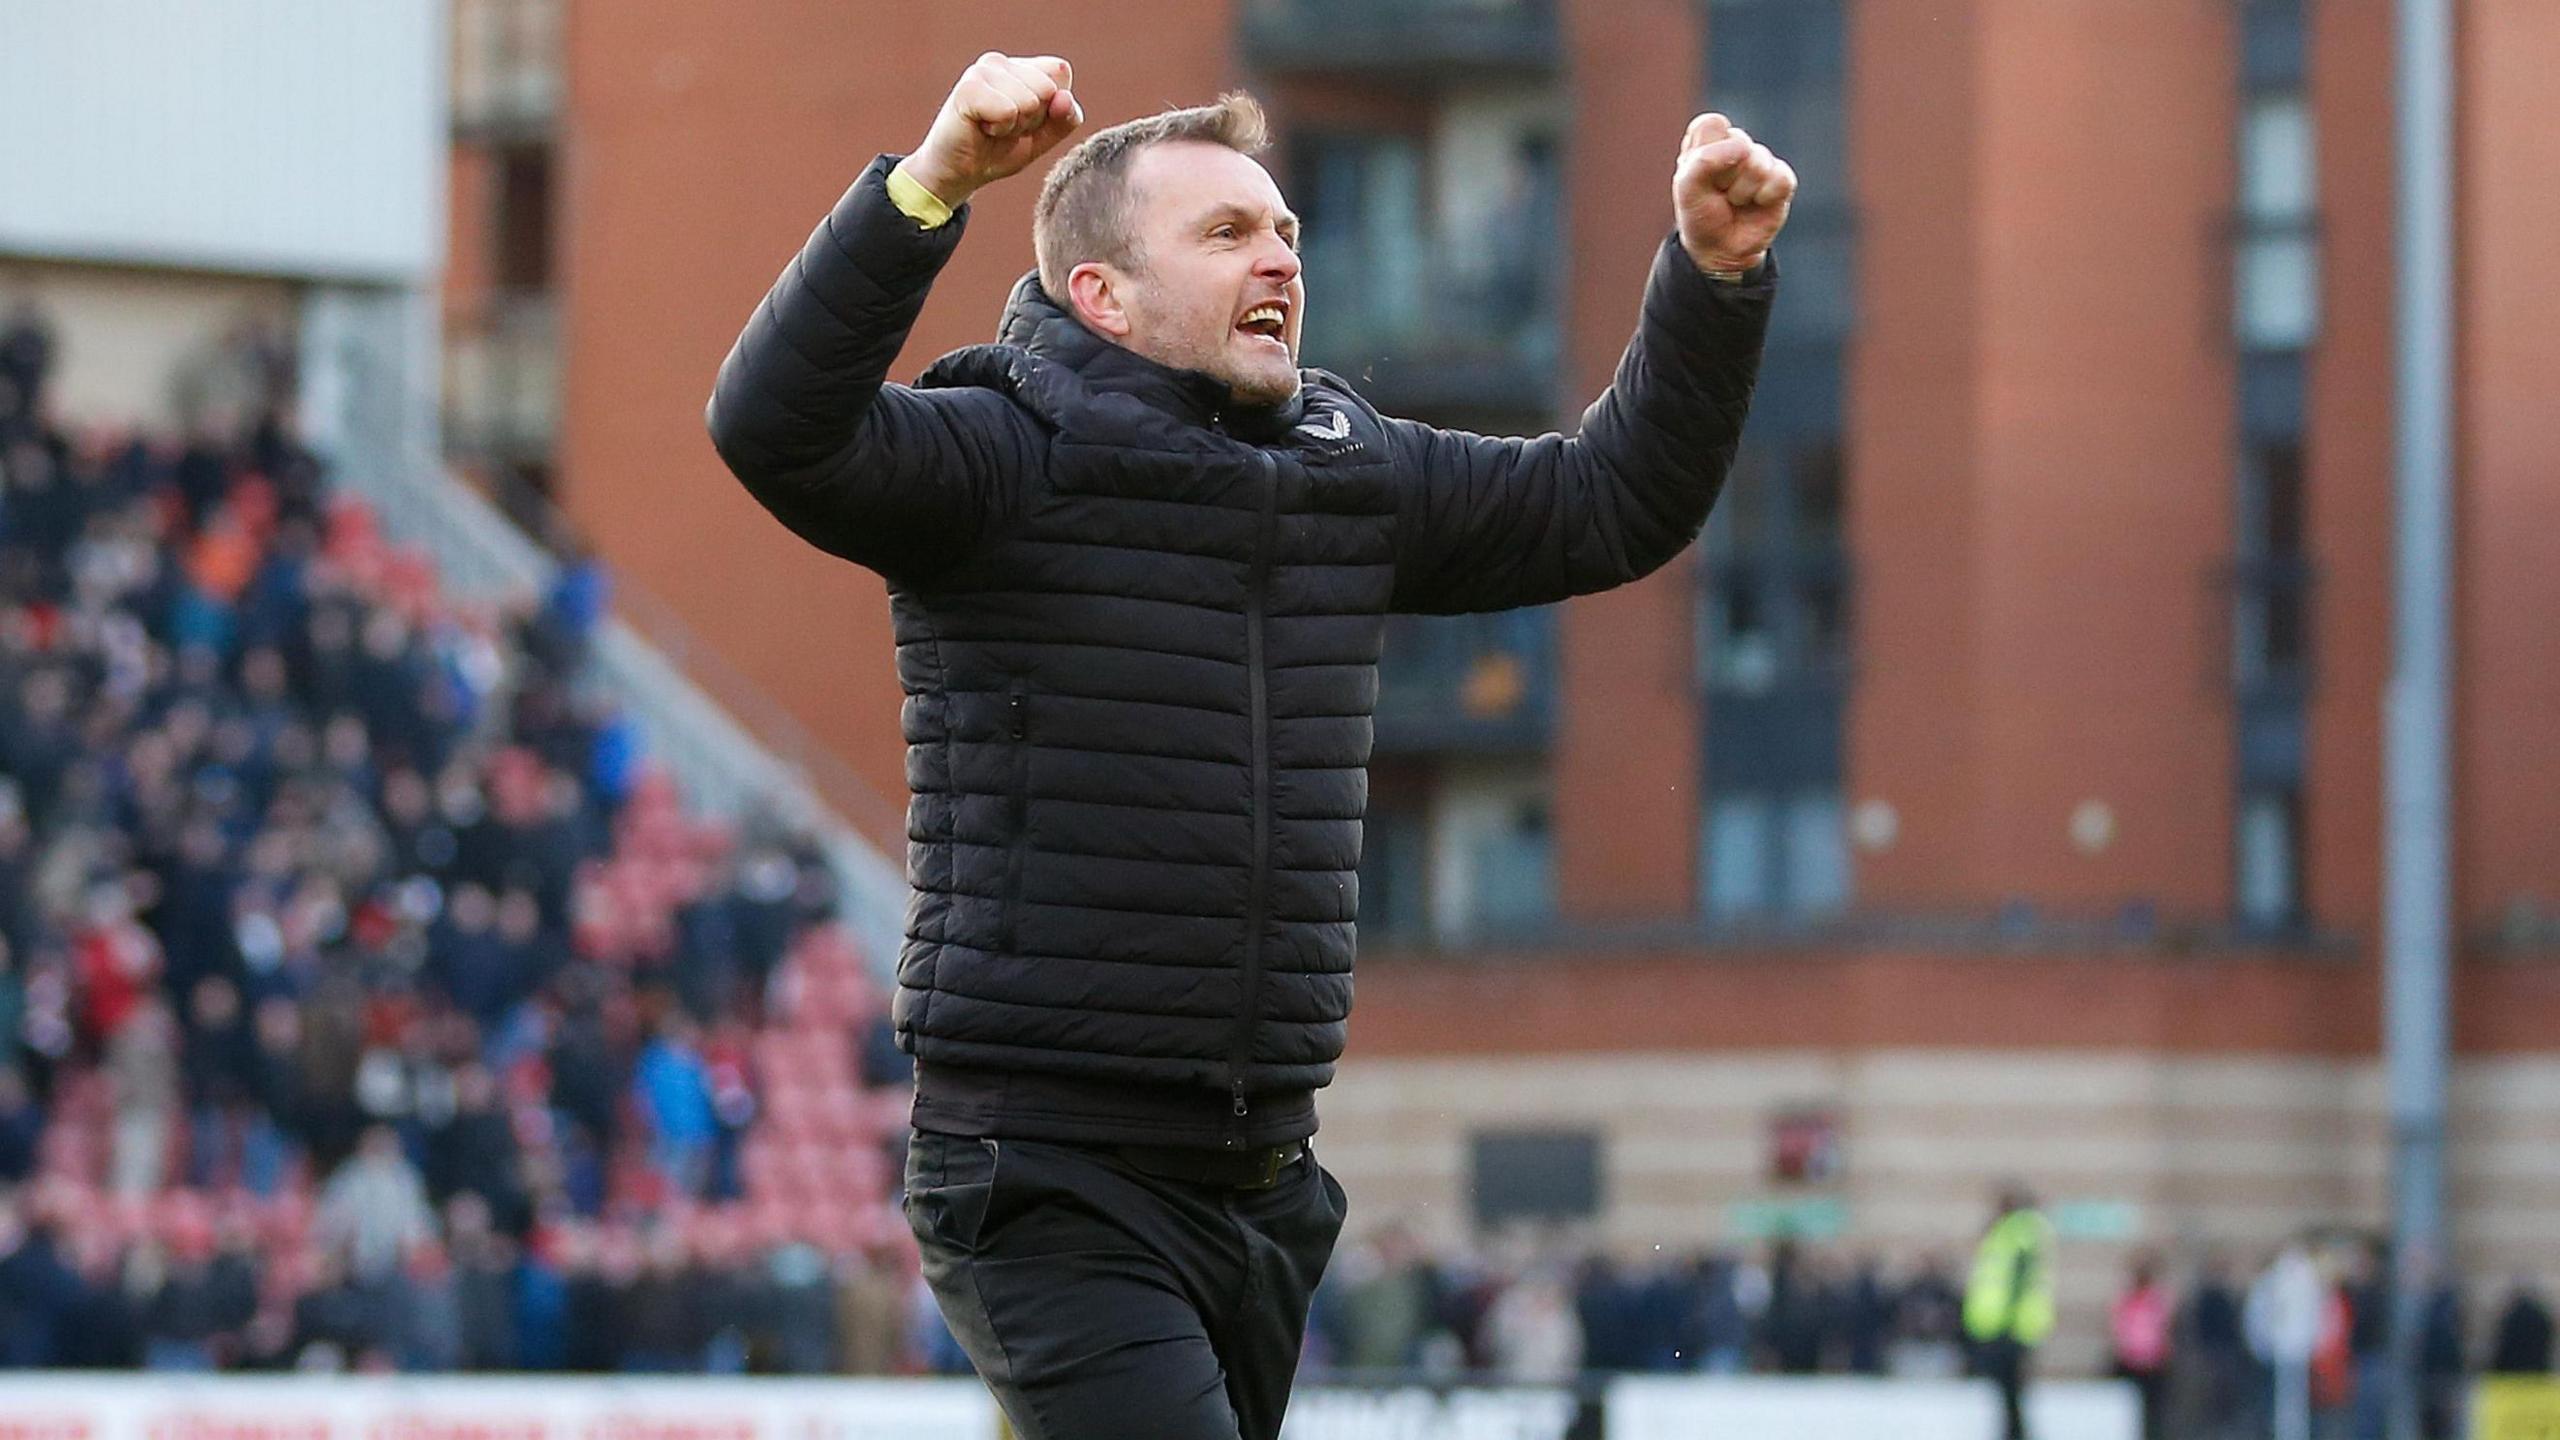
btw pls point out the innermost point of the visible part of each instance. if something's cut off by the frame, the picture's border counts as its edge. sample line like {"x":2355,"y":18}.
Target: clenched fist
{"x":1006,"y":112}
{"x":1731,"y":195}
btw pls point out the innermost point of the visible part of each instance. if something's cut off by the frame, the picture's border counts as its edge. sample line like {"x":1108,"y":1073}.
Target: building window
{"x":2269,"y":852}
{"x":2275,"y":320}
{"x":1776,"y":614}
{"x":2276,"y":293}
{"x":1433,"y":258}
{"x":1395,"y":872}
{"x":1456,"y":852}
{"x":1779,"y":69}
{"x":1741,"y":878}
{"x":1493,"y":853}
{"x":506,"y":65}
{"x":2277,"y":182}
{"x":521,"y":218}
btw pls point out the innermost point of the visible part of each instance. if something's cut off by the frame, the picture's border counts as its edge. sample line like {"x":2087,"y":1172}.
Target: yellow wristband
{"x":916,"y":202}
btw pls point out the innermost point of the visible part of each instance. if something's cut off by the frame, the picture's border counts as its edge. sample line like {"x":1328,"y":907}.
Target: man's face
{"x":1217,"y":287}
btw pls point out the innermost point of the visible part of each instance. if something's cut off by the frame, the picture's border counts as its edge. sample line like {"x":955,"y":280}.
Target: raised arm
{"x":1487,"y":524}
{"x":896,"y":479}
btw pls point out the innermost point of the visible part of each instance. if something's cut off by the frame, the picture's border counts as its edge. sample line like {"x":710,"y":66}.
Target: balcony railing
{"x":506,"y":67}
{"x":1423,"y":327}
{"x":1400,"y":38}
{"x":502,"y":377}
{"x":1478,"y":684}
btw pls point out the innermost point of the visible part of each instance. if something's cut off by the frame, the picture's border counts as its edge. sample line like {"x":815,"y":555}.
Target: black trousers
{"x":2005,"y":1361}
{"x":1099,"y":1302}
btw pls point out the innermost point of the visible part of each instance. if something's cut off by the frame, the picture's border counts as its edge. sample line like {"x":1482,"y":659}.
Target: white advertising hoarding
{"x":1845,"y":1408}
{"x":1415,"y":1412}
{"x":172,"y":1407}
{"x":166,"y":1407}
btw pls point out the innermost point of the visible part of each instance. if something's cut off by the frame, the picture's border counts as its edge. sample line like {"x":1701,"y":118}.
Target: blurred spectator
{"x":2332,"y":1359}
{"x":596,"y":1274}
{"x":1726,"y":1296}
{"x":1928,"y":1325}
{"x":730,"y":1297}
{"x":426,"y":1310}
{"x":1794,"y":1325}
{"x":26,"y":355}
{"x":472,"y":1149}
{"x":468,"y":959}
{"x":375,"y":1208}
{"x":237,"y":1277}
{"x":339,"y":1324}
{"x":2138,"y":1327}
{"x":2285,"y":1313}
{"x":2008,"y":1304}
{"x":2441,"y":1363}
{"x":276,"y":1078}
{"x":484,"y":1286}
{"x":219,"y":1059}
{"x":2369,"y":1300}
{"x":1609,"y":1305}
{"x":1866,"y":1317}
{"x":142,"y":1065}
{"x":930,"y":1345}
{"x":872,"y":1313}
{"x":728,"y":1074}
{"x":40,"y":1296}
{"x":21,"y":1127}
{"x":184,"y":1308}
{"x":101,"y":1326}
{"x":2217,"y":1386}
{"x":2521,"y":1344}
{"x":118,"y":963}
{"x":540,"y":1316}
{"x":663,"y":1327}
{"x":673,"y":1087}
{"x":1533,"y":1333}
{"x":797,"y":1331}
{"x":1383,"y":1302}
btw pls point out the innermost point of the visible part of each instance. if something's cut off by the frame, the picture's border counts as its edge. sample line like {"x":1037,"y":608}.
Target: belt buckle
{"x":1274,"y":1159}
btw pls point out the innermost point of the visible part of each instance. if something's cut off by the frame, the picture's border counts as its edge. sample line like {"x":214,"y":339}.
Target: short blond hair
{"x":1083,"y":212}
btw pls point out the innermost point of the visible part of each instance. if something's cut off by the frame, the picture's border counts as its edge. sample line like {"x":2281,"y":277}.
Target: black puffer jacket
{"x":1138,"y":631}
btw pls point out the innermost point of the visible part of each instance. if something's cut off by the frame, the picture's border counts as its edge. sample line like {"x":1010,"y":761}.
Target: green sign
{"x":1815,"y":1217}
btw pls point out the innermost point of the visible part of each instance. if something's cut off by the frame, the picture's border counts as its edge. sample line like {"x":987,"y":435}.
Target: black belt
{"x":1232,"y":1169}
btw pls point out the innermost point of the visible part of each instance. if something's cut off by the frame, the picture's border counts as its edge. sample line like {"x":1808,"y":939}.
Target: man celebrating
{"x":1139,"y":565}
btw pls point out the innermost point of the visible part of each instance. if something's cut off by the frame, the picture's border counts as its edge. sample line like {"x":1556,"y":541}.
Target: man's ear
{"x":1098,"y":295}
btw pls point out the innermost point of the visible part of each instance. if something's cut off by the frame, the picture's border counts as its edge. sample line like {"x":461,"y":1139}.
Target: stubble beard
{"x":1212,"y":354}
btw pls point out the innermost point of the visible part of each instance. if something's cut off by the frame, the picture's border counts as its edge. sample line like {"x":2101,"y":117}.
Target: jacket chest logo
{"x":1327,"y":431}
{"x":1334,"y":426}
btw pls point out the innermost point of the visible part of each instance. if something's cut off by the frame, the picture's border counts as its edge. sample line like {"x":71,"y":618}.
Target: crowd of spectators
{"x":2302,"y":1347}
{"x":2214,"y":1358}
{"x":1517,"y":1312}
{"x":365,"y":998}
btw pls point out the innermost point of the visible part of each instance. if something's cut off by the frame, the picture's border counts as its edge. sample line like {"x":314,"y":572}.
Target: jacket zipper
{"x":1017,"y":810}
{"x":1259,"y":886}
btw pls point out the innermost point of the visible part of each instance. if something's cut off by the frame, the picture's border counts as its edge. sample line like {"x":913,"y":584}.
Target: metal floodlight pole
{"x":2417,"y":769}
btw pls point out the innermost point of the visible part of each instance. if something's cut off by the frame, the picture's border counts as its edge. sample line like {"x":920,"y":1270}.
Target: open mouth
{"x":1267,"y":321}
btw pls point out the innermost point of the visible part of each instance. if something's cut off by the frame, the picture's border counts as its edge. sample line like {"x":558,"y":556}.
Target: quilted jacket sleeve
{"x":1488,"y":524}
{"x":900,"y":480}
